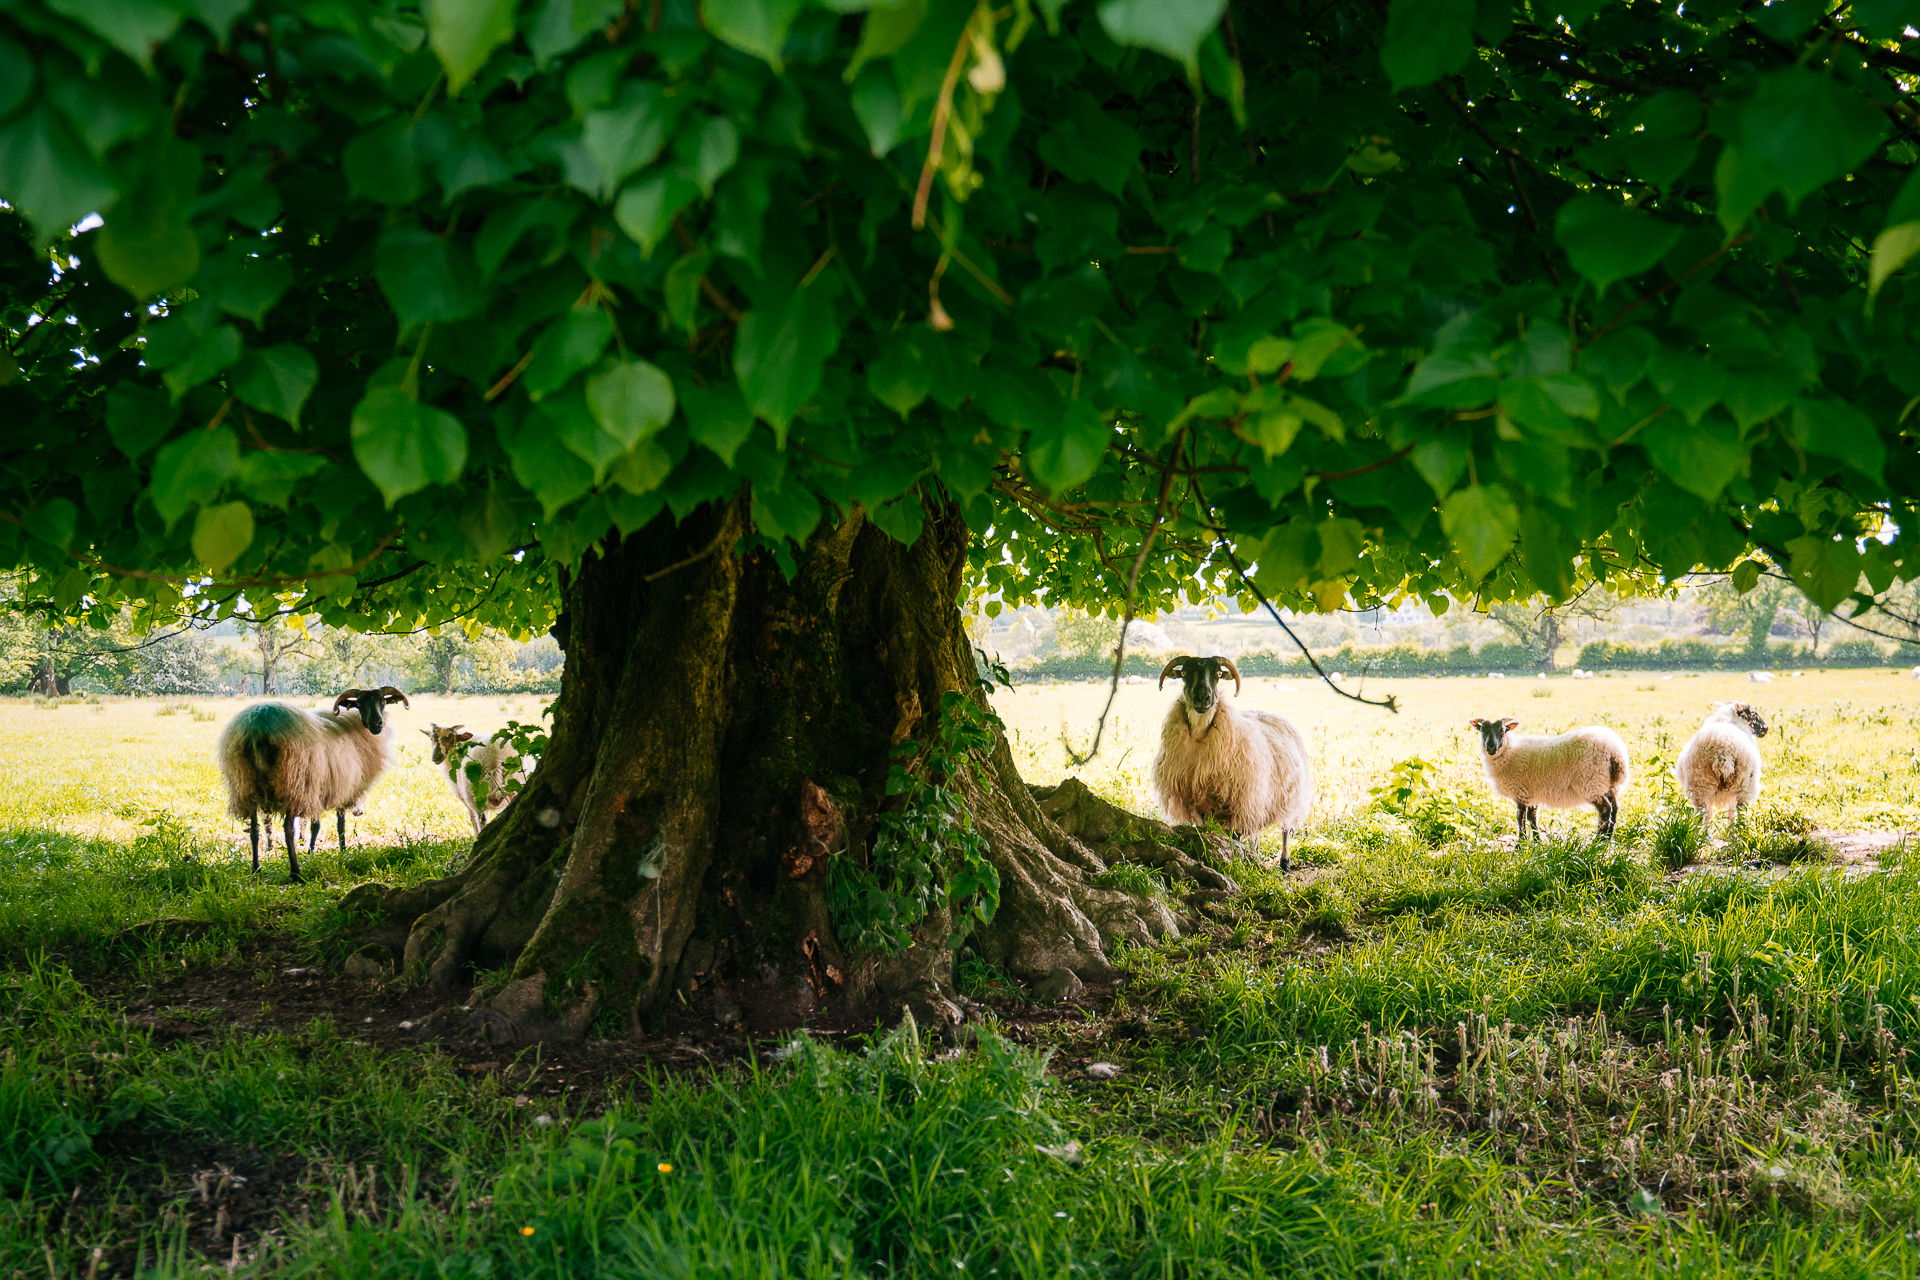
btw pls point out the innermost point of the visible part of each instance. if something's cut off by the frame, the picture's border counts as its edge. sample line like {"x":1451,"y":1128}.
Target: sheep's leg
{"x":1285,"y":865}
{"x":340,"y":815}
{"x":293,"y":854}
{"x":1520,"y":808}
{"x":1533,"y":816}
{"x":313,"y":837}
{"x":253,"y":835}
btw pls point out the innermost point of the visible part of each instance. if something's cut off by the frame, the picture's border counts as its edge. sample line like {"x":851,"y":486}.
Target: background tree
{"x":1751,"y":613}
{"x":1541,"y":626}
{"x":274,"y":643}
{"x":727,"y":339}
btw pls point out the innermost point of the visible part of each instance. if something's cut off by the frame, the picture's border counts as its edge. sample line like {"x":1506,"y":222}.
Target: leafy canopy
{"x":393,"y":310}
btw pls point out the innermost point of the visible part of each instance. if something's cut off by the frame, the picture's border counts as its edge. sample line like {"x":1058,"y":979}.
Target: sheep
{"x":279,"y":758}
{"x":458,"y":755}
{"x":1248,"y":769}
{"x":1561,"y":771}
{"x":1720,"y":765}
{"x":1760,"y":677}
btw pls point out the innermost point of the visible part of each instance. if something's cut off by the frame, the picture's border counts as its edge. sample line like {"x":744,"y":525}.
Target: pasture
{"x":1427,"y":1053}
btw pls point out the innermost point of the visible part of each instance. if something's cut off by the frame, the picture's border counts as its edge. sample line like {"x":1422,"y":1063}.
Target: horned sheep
{"x":1719,"y":768}
{"x":1250,"y":770}
{"x":456,"y":752}
{"x":278,"y":758}
{"x":1560,"y":771}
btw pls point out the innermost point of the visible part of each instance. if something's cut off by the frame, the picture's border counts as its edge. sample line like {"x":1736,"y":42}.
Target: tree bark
{"x":723,"y":733}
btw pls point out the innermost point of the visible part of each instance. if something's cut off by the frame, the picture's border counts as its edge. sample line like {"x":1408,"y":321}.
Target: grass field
{"x":1427,"y":1053}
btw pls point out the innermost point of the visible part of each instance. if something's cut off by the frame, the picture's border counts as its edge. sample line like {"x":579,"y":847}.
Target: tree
{"x":1540,"y":625}
{"x":1751,"y":613}
{"x":275,"y":643}
{"x":729,"y":340}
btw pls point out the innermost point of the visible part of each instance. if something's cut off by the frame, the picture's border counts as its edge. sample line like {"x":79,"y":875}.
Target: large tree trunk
{"x":723,"y":734}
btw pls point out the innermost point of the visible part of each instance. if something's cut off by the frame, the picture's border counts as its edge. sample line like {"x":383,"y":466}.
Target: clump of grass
{"x":1676,"y":838}
{"x":1785,"y":846}
{"x":1542,"y":691}
{"x":172,"y":708}
{"x":1132,"y":878}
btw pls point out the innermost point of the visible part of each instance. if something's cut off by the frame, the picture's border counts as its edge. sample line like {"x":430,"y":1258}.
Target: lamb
{"x":279,"y":758}
{"x":458,"y":755}
{"x":1720,"y":765}
{"x":1760,"y":677}
{"x":1561,"y":771}
{"x":1248,"y":769}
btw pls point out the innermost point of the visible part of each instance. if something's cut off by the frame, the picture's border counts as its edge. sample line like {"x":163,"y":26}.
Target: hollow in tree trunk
{"x":722,"y":735}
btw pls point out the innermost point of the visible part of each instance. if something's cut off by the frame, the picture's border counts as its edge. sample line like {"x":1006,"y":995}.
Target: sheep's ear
{"x":1510,"y":723}
{"x":1475,"y":723}
{"x":464,"y":735}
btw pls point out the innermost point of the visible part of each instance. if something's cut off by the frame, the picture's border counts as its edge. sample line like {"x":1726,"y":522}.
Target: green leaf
{"x":581,"y":432}
{"x":192,"y":469}
{"x":464,"y":33}
{"x":1606,"y":241}
{"x":244,"y":286}
{"x":221,"y":533}
{"x":1741,"y":181}
{"x":148,"y":244}
{"x":1754,"y":395}
{"x":132,"y":26}
{"x":47,"y":173}
{"x":138,"y":418}
{"x":708,"y":149}
{"x":629,"y":135}
{"x":631,"y":401}
{"x":1701,"y":458}
{"x":780,"y":352}
{"x":785,"y":511}
{"x":1687,"y":382}
{"x":1066,"y":452}
{"x":16,"y":75}
{"x":681,"y":288}
{"x":276,"y":380}
{"x":900,"y":379}
{"x":1172,"y":27}
{"x":542,"y":464}
{"x":273,"y":476}
{"x":717,"y":417}
{"x":384,"y":164}
{"x":1826,"y":569}
{"x":1441,"y":463}
{"x":1810,"y":128}
{"x":213,"y":351}
{"x":1746,"y":576}
{"x":1481,"y":521}
{"x":1426,"y":39}
{"x":641,"y":469}
{"x":404,"y":446}
{"x":1835,"y":429}
{"x":757,"y":27}
{"x":423,"y":277}
{"x":1892,"y":250}
{"x":645,"y":210}
{"x":562,"y":24}
{"x":885,"y":32}
{"x":570,"y":344}
{"x":53,"y":522}
{"x":876,"y":104}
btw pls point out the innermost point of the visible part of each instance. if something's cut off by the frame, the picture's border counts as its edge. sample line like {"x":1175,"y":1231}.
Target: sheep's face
{"x":1200,"y":688}
{"x":1743,"y":715}
{"x":446,"y":741}
{"x":1493,"y":733}
{"x":371,"y":705}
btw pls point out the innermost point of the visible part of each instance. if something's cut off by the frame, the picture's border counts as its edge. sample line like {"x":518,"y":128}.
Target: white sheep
{"x":1560,"y":771}
{"x":1759,"y":677}
{"x":1915,"y":674}
{"x":281,"y":759}
{"x":459,"y":756}
{"x":1250,"y":770}
{"x":1720,"y":765}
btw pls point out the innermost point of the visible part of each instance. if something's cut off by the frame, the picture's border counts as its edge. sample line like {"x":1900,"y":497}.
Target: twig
{"x":506,"y":379}
{"x":1075,"y":759}
{"x":695,"y":558}
{"x":941,"y":109}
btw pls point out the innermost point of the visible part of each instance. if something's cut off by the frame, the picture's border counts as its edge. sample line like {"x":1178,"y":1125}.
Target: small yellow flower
{"x":665,"y":1167}
{"x":526,"y":1231}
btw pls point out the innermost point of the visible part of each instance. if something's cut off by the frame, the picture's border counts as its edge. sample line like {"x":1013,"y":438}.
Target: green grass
{"x":1426,"y":1053}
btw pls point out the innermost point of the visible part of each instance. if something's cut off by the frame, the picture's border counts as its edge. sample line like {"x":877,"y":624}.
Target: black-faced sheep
{"x":1248,"y":769}
{"x":1719,"y":768}
{"x":281,"y":759}
{"x":1560,"y":771}
{"x":458,"y":756}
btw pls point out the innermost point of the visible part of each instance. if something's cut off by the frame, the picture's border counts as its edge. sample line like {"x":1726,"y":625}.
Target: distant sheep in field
{"x":1719,"y":768}
{"x":459,"y":756}
{"x":1915,"y":674}
{"x":1560,"y":771}
{"x":1760,"y":677}
{"x":281,"y":759}
{"x":1250,"y":770}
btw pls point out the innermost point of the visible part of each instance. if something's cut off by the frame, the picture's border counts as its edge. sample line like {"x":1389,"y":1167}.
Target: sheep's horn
{"x":343,"y":697}
{"x":1169,"y":669}
{"x":392,"y":694}
{"x":1232,"y":671}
